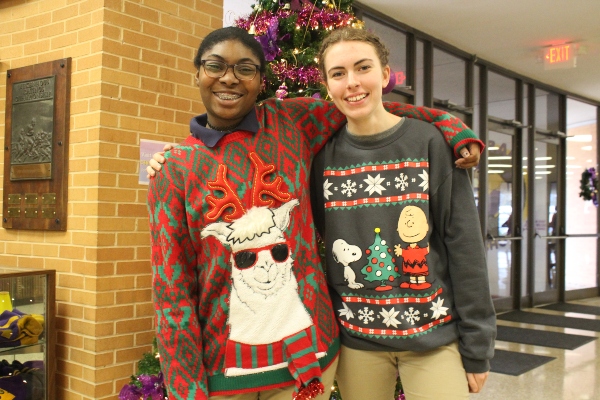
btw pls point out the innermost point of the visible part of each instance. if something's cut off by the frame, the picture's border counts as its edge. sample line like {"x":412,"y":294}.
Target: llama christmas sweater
{"x":404,"y":253}
{"x":240,"y":295}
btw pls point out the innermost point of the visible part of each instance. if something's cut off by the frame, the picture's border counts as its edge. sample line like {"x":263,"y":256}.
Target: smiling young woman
{"x":401,"y":235}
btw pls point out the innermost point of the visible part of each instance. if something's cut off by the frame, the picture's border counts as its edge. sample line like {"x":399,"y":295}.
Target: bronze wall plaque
{"x":36,"y":142}
{"x":14,"y":199}
{"x":31,"y":198}
{"x":48,"y":212}
{"x":49,"y":198}
{"x":31,"y":171}
{"x":14,"y":212}
{"x":32,"y":127}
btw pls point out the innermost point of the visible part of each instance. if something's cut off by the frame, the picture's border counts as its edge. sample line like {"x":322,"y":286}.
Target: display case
{"x":27,"y":334}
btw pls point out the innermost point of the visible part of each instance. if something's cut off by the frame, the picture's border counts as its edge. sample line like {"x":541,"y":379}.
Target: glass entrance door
{"x":503,"y":232}
{"x":546,"y":244}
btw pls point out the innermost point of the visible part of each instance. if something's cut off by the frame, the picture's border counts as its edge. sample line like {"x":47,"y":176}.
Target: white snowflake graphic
{"x":389,"y":317}
{"x":346,"y":312}
{"x":374,"y":184}
{"x":349,"y":188}
{"x":411,"y":315}
{"x":326,"y":186}
{"x":425,"y":183}
{"x":366,"y":315}
{"x":437,"y":308}
{"x":402,"y":182}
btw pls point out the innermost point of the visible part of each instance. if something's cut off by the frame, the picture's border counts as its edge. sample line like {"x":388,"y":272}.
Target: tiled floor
{"x":574,"y":375}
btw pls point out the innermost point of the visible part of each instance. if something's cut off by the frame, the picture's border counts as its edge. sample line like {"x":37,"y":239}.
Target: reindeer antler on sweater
{"x":260,"y":189}
{"x":220,"y":204}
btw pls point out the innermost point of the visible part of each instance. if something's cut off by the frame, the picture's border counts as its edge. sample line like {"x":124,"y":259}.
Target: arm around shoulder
{"x":456,"y":133}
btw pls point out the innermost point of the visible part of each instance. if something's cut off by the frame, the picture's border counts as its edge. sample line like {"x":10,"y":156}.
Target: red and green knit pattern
{"x":192,"y":276}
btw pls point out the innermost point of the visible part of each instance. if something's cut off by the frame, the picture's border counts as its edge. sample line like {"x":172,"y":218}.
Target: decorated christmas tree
{"x":148,"y":383}
{"x":291,"y":32}
{"x":381,"y":264}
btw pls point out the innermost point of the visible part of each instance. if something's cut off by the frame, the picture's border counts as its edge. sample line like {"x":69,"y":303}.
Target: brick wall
{"x":132,"y":79}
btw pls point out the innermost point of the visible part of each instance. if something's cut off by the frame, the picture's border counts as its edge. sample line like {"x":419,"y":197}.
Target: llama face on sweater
{"x":266,"y":314}
{"x":264,"y":303}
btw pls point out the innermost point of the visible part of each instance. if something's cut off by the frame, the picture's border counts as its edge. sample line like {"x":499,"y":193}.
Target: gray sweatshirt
{"x":404,"y":253}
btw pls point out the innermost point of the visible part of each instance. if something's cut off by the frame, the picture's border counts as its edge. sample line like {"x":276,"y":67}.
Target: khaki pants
{"x":285,"y":393}
{"x":433,"y":375}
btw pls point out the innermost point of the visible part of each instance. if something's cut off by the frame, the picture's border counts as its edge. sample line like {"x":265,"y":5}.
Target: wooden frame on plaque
{"x":36,"y":146}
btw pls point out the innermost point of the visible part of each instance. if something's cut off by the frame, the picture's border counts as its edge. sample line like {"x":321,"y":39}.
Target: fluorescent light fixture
{"x":545,"y":166}
{"x":543,"y":158}
{"x":543,"y":172}
{"x":495,"y":171}
{"x":580,"y":138}
{"x":500,"y":158}
{"x":500,"y":165}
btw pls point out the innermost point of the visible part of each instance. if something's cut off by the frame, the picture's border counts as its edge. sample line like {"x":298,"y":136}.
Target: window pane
{"x":581,"y":155}
{"x":501,"y":96}
{"x":475,"y":125}
{"x":419,"y":80}
{"x":448,"y":77}
{"x":545,"y":182}
{"x":397,"y":97}
{"x":395,"y":41}
{"x":581,"y":257}
{"x":546,"y":110}
{"x":499,"y":210}
{"x":580,"y":263}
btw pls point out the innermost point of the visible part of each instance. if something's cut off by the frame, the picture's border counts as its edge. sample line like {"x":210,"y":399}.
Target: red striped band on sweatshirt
{"x":377,"y":168}
{"x":395,"y":332}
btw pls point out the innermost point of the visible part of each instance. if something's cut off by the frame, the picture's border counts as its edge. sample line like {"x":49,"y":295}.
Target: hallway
{"x":573,"y":375}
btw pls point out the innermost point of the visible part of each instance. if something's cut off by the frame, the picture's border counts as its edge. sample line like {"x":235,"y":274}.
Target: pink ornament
{"x":391,"y":83}
{"x":281,"y":92}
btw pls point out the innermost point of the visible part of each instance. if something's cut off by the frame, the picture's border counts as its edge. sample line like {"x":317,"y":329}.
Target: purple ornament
{"x":130,"y":392}
{"x":268,"y":41}
{"x":391,"y":84}
{"x":281,"y":92}
{"x":316,"y":95}
{"x":152,"y":386}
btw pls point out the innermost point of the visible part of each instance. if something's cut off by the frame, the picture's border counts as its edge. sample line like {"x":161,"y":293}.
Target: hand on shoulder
{"x":155,"y":164}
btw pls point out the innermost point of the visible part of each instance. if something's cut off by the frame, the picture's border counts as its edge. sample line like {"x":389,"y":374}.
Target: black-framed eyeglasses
{"x":218,"y":69}
{"x":247,"y":258}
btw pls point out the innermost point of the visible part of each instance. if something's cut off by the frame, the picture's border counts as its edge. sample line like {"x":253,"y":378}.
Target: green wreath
{"x":589,"y":185}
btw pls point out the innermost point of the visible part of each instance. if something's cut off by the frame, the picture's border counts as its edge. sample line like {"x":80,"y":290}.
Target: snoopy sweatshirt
{"x":404,"y":254}
{"x":239,"y":292}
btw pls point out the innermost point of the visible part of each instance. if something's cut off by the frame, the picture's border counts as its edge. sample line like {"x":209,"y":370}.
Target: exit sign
{"x":562,"y":56}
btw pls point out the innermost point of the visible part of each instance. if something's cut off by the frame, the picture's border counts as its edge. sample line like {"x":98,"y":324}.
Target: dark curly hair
{"x":235,"y":34}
